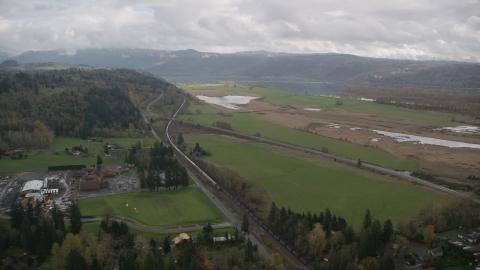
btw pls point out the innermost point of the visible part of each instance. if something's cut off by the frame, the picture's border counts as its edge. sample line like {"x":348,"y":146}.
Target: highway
{"x":343,"y":159}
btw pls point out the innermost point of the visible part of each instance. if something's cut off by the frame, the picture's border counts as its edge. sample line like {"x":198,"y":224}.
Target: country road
{"x":340,"y":158}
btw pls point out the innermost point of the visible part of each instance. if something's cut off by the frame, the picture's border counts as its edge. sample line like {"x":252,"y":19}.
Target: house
{"x":421,"y":254}
{"x":76,"y":153}
{"x":183,"y":237}
{"x":221,"y":240}
{"x":436,"y":252}
{"x":467,"y":237}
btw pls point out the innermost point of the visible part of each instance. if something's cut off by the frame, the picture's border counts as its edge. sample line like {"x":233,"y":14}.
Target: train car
{"x":282,"y":242}
{"x":251,"y":214}
{"x":296,"y":253}
{"x":270,"y":231}
{"x":289,"y":247}
{"x":218,"y":187}
{"x":276,"y":236}
{"x":256,"y":219}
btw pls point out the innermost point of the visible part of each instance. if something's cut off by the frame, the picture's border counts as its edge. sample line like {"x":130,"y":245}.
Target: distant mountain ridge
{"x":272,"y":66}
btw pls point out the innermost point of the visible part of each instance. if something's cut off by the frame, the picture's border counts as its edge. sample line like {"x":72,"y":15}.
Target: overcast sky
{"x":415,"y":29}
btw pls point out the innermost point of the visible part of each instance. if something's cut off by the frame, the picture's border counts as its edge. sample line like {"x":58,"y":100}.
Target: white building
{"x":33,"y":186}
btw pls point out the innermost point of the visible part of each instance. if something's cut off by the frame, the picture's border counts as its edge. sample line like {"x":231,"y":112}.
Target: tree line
{"x":72,"y":102}
{"x":455,"y":102}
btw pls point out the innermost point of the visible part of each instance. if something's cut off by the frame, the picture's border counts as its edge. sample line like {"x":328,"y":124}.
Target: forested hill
{"x":36,"y":107}
{"x":269,"y":66}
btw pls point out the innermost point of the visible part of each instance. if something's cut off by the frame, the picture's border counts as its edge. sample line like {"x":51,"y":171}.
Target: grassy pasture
{"x":162,"y":208}
{"x":47,"y":90}
{"x":280,"y":97}
{"x":41,"y":159}
{"x":310,"y":183}
{"x":251,"y":123}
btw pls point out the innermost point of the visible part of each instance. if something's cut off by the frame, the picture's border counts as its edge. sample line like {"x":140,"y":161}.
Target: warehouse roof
{"x":33,"y":185}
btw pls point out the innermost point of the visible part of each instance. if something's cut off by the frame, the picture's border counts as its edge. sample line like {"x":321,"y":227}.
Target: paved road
{"x":343,"y":159}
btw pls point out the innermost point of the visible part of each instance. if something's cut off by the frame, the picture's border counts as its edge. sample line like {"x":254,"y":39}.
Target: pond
{"x":400,"y":137}
{"x":228,"y":102}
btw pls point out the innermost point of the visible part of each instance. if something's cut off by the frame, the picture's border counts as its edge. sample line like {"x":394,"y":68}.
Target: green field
{"x":163,"y":208}
{"x":41,"y":159}
{"x":281,"y":98}
{"x":251,"y":123}
{"x":56,"y":90}
{"x":311,"y":183}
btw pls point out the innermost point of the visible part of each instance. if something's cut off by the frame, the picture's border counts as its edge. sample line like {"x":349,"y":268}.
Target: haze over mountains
{"x":263,"y":66}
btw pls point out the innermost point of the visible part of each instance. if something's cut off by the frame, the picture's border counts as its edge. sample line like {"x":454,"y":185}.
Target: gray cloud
{"x":428,"y":29}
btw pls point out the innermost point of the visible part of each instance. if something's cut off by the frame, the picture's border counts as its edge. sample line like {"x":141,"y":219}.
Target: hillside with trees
{"x":37,"y":107}
{"x":271,"y":66}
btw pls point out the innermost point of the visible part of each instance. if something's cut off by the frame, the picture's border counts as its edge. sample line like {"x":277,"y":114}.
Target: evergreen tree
{"x":166,"y":245}
{"x":75,"y":219}
{"x":28,"y":240}
{"x":183,"y":177}
{"x":366,"y":245}
{"x":387,"y":231}
{"x":283,"y":215}
{"x":377,"y":234}
{"x":16,"y":216}
{"x":327,"y":222}
{"x":249,"y":252}
{"x":57,"y":217}
{"x":153,"y":245}
{"x":99,"y":161}
{"x":143,"y":182}
{"x":367,"y":220}
{"x":45,"y":238}
{"x":272,"y":215}
{"x":321,"y":218}
{"x":180,"y":139}
{"x":75,"y":261}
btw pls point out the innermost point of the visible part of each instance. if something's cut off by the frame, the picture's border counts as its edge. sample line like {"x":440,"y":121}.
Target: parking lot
{"x":10,"y":189}
{"x":117,"y":185}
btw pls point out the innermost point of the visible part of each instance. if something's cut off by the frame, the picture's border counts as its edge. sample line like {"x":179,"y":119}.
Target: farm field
{"x":40,"y":159}
{"x":306,"y":182}
{"x":347,"y":129}
{"x":251,"y":123}
{"x":284,"y":98}
{"x":162,"y":208}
